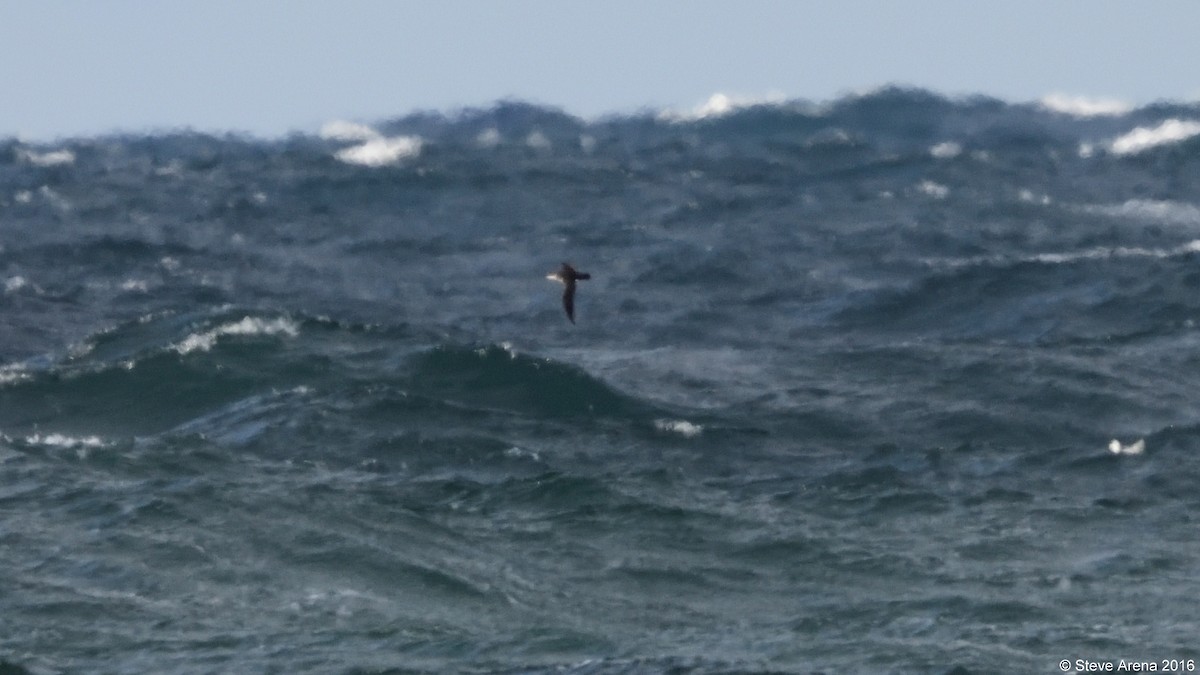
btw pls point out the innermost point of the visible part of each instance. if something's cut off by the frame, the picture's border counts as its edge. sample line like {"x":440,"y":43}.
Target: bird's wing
{"x":569,"y":300}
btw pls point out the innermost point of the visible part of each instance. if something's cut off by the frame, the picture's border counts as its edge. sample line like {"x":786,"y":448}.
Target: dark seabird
{"x":568,"y":276}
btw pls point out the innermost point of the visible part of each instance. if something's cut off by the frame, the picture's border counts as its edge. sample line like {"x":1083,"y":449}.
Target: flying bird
{"x":568,"y":276}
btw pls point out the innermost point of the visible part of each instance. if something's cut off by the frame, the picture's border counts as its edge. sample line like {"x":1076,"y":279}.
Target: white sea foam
{"x":53,"y":198}
{"x":373,"y":149}
{"x":1162,"y":212}
{"x":681,"y":427}
{"x":1095,"y":253}
{"x":63,"y":441}
{"x":381,"y":151}
{"x":488,"y":138}
{"x":173,"y":169}
{"x":52,"y":158}
{"x":44,"y":193}
{"x":1106,"y":252}
{"x":946,"y":150}
{"x":538,"y":141}
{"x":1144,"y":138}
{"x":14,"y":284}
{"x":1082,"y":106}
{"x":519,"y":452}
{"x":341,"y":130}
{"x":13,"y":372}
{"x":247,"y":326}
{"x":1136,"y":448}
{"x":720,"y":104}
{"x":935,"y":190}
{"x":1028,"y":196}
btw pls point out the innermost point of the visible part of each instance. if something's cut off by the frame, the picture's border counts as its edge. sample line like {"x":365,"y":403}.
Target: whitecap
{"x":717,"y":105}
{"x":935,"y":190}
{"x":946,"y":150}
{"x":1082,"y":106}
{"x":172,"y":169}
{"x":381,"y":151}
{"x":517,"y":452}
{"x":681,"y":427}
{"x":64,"y":441}
{"x":247,"y":326}
{"x":341,"y":130}
{"x":721,"y":104}
{"x":1029,"y":197}
{"x":538,"y":141}
{"x":52,"y":158}
{"x":1144,"y":138}
{"x":1136,"y":448}
{"x":14,"y":284}
{"x":81,"y":445}
{"x":1109,"y":252}
{"x":53,"y":198}
{"x":1095,"y":253}
{"x":509,"y":349}
{"x":1158,"y":211}
{"x":14,"y":372}
{"x":488,"y":138}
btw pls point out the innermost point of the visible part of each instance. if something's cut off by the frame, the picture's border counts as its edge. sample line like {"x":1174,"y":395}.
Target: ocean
{"x":895,"y":383}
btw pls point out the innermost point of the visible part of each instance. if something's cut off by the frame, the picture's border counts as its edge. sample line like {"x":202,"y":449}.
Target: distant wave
{"x":1067,"y":257}
{"x":720,"y":105}
{"x":373,"y":149}
{"x":1144,"y":138}
{"x":169,"y":372}
{"x":1082,"y":106}
{"x":341,"y":130}
{"x":48,"y":158}
{"x":1155,"y":211}
{"x":148,"y":383}
{"x":883,"y":110}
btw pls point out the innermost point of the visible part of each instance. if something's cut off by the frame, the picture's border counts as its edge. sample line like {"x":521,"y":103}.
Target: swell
{"x":303,"y":384}
{"x":498,"y":377}
{"x":1094,"y":294}
{"x":144,"y":378}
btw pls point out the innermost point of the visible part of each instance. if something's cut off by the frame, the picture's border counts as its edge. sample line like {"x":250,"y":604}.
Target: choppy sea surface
{"x":893,"y":383}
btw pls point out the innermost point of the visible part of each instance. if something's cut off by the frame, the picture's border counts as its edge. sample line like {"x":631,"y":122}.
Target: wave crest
{"x":497,"y":376}
{"x":1144,"y":138}
{"x":249,"y":325}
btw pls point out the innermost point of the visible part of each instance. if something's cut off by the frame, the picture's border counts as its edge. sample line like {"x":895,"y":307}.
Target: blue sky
{"x":268,"y":67}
